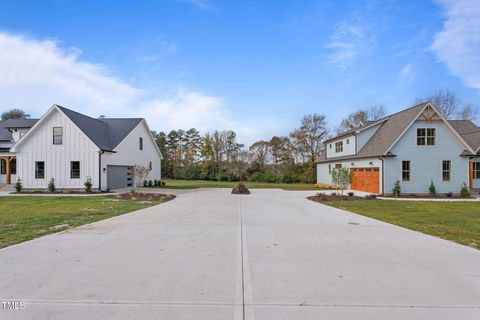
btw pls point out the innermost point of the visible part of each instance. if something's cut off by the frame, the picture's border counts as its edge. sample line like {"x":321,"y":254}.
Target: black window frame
{"x":37,"y":170}
{"x":55,"y":142}
{"x":13,"y":166}
{"x":446,"y":170}
{"x":77,"y":169}
{"x":3,"y":166}
{"x":406,"y":170}
{"x":140,"y":143}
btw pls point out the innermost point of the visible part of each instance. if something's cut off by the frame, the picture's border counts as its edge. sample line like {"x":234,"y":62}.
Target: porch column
{"x":470,"y":174}
{"x":8,"y":169}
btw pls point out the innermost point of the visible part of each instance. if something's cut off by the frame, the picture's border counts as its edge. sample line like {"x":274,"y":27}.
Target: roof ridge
{"x":82,"y":114}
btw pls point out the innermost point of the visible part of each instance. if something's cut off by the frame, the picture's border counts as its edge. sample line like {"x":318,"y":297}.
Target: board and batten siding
{"x":128,"y":153}
{"x":426,"y":161}
{"x":348,"y":148}
{"x":39,"y":146}
{"x":324,"y":176}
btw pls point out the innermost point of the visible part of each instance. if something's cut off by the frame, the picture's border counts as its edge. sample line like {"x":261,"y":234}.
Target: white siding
{"x":128,"y":153}
{"x":323,"y":175}
{"x":39,"y":147}
{"x":348,"y":148}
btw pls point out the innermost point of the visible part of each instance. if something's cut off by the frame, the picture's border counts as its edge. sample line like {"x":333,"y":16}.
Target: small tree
{"x":18,"y":185}
{"x":88,"y":185}
{"x":464,"y":191}
{"x":140,"y":174}
{"x":432,"y":189}
{"x":341,"y":177}
{"x":396,"y":188}
{"x":51,"y":185}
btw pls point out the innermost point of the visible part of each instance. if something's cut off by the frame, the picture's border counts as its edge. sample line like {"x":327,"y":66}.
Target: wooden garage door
{"x":366,"y":179}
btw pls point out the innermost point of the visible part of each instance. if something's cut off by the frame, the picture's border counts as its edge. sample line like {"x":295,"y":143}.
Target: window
{"x":3,"y":166}
{"x":330,"y":146}
{"x":476,"y":170}
{"x":329,"y":169}
{"x":57,"y":135}
{"x":150,"y":165}
{"x":405,"y":170}
{"x":339,"y":146}
{"x":140,"y":143}
{"x":338,"y":166}
{"x":348,"y":141}
{"x":39,"y":170}
{"x":75,"y":170}
{"x":425,"y":136}
{"x":446,"y":169}
{"x":13,"y":166}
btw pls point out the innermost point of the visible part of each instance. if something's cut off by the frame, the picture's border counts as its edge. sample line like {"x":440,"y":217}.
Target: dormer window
{"x":339,"y":146}
{"x":426,"y":136}
{"x":57,"y":135}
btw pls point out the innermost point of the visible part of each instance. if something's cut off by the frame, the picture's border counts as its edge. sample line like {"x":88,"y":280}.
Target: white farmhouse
{"x":71,"y":147}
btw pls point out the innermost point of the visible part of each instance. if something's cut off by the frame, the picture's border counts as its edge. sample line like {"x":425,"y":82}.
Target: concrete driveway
{"x":211,"y":255}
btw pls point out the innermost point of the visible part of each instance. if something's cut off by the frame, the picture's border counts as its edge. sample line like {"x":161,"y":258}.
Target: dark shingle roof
{"x":469,"y":132}
{"x":391,"y":128}
{"x":6,"y":135}
{"x":106,"y":133}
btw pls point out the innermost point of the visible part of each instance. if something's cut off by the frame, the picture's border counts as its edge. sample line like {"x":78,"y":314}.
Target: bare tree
{"x":140,"y":174}
{"x":360,"y":118}
{"x":376,"y":112}
{"x":446,"y":102}
{"x":468,"y":112}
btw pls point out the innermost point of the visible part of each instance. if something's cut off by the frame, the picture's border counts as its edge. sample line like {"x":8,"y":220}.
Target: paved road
{"x":211,"y":255}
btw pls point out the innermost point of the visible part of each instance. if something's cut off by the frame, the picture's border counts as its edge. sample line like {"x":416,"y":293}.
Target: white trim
{"x":54,"y":107}
{"x":441,"y":118}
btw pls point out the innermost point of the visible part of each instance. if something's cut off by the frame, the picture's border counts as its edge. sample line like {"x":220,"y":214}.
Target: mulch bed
{"x":142,"y":196}
{"x":324,"y":198}
{"x":236,"y":191}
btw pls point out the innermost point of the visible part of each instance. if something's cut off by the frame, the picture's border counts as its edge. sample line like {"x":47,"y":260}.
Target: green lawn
{"x":25,"y":218}
{"x":195,"y":184}
{"x":456,"y":221}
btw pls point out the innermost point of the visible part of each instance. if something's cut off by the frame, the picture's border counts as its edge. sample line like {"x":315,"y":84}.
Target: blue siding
{"x":365,"y":135}
{"x":426,"y":161}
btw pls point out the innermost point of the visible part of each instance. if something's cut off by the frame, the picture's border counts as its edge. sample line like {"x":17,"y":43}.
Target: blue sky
{"x":253,"y":66}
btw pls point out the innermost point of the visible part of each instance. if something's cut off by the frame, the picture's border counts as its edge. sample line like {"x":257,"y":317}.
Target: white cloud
{"x":36,"y":74}
{"x":346,"y":43}
{"x":458,"y":44}
{"x":407,"y":74}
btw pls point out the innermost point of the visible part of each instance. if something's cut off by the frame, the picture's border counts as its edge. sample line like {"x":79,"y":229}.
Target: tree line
{"x":218,"y":155}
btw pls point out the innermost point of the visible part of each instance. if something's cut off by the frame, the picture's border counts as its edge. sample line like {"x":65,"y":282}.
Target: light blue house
{"x":415,"y":146}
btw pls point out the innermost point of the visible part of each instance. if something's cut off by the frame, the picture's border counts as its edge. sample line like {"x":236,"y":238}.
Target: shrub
{"x":396,"y":189}
{"x":341,"y":177}
{"x":162,"y":183}
{"x":370,"y":197}
{"x":350,"y":194}
{"x":67,"y":191}
{"x":189,"y":172}
{"x":144,"y":183}
{"x":155,"y":182}
{"x":150,"y":183}
{"x":464,"y":191}
{"x":432,"y":189}
{"x":88,"y":185}
{"x":18,"y":185}
{"x":241,"y":189}
{"x":449,"y":194}
{"x":51,"y":185}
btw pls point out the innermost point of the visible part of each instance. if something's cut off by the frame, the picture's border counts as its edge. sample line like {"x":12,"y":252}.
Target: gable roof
{"x":6,"y":135}
{"x":105,"y":133}
{"x":469,"y":132}
{"x":395,"y":125}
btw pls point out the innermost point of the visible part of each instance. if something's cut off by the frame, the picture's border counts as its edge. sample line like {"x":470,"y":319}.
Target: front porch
{"x":8,"y":168}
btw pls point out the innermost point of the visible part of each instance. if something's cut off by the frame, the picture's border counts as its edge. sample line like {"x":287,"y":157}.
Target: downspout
{"x":383,"y":175}
{"x":100,"y":170}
